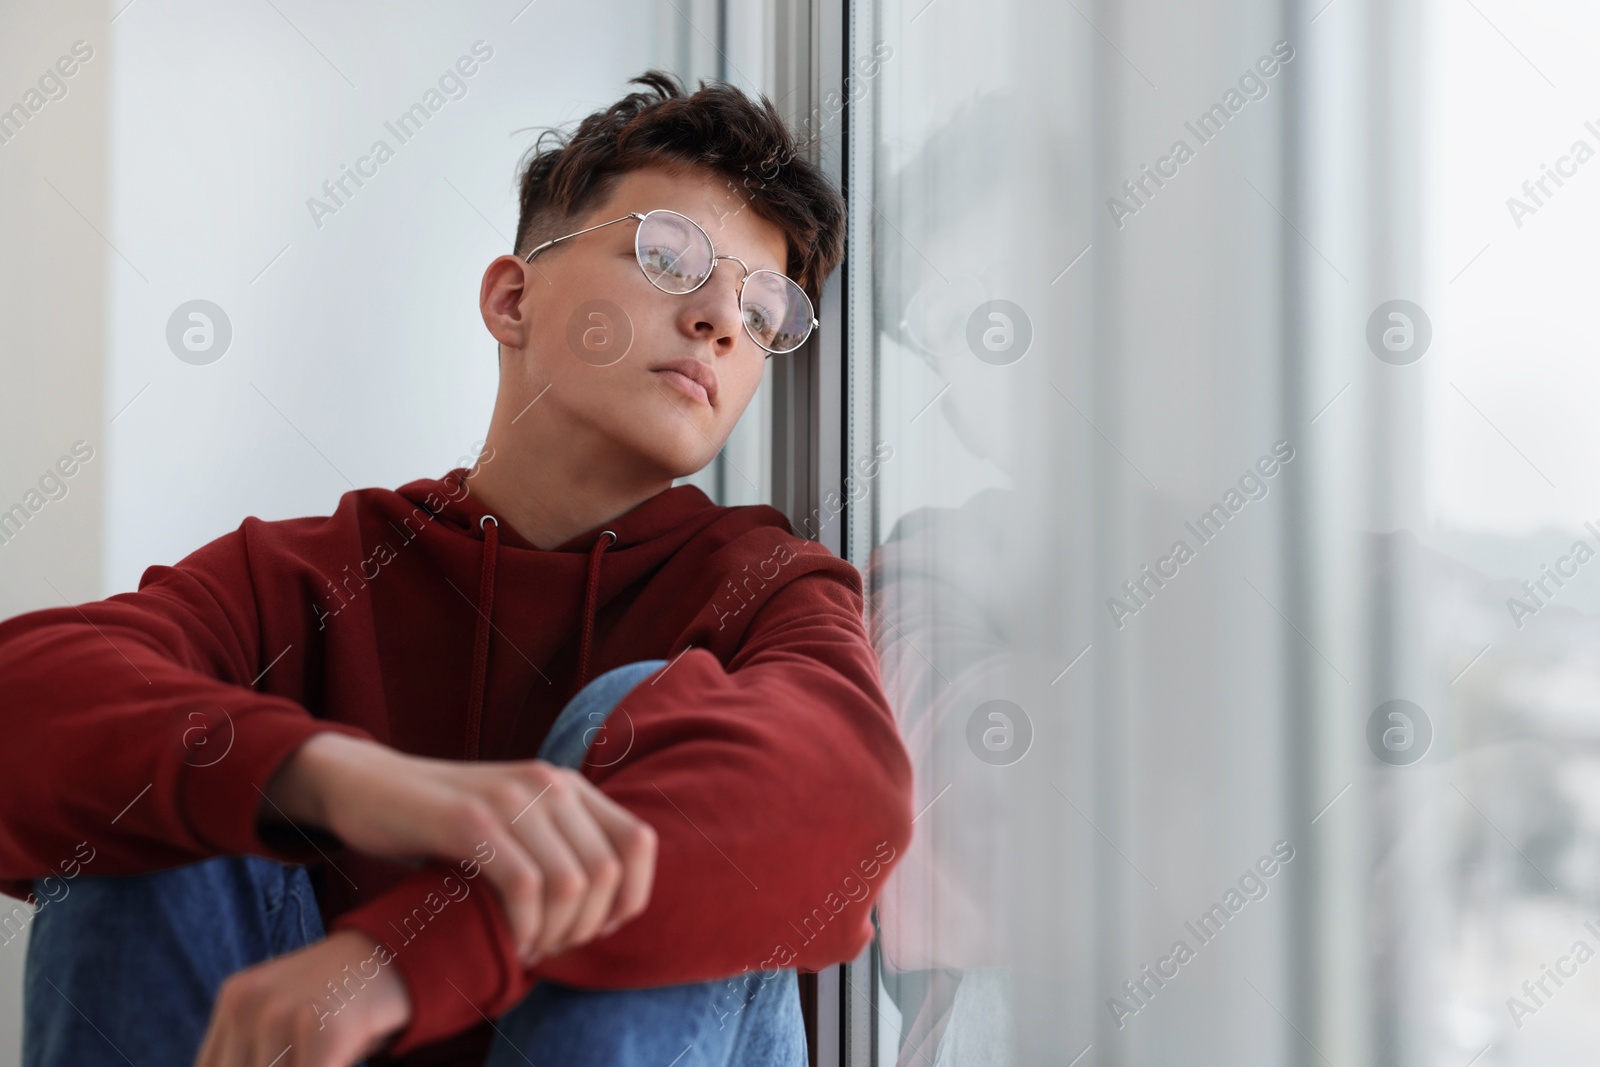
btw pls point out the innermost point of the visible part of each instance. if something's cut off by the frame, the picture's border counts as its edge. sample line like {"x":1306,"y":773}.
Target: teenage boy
{"x":337,"y":718}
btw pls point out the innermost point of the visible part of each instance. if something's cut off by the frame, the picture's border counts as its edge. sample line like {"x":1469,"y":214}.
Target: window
{"x":1216,"y":416}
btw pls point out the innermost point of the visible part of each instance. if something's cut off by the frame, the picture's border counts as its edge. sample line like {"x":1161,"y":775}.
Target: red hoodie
{"x":765,"y":754}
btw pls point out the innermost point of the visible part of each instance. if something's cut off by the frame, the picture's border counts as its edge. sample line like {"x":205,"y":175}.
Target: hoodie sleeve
{"x":133,"y":724}
{"x":781,"y":796}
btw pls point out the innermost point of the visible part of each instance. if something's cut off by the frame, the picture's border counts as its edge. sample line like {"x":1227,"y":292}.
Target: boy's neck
{"x":548,"y":502}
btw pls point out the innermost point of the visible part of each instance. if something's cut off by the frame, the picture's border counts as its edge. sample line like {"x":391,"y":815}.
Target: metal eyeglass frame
{"x":714,"y":258}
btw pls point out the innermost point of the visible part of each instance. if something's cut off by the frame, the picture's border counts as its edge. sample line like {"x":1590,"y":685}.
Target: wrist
{"x":370,"y":995}
{"x":298,"y":790}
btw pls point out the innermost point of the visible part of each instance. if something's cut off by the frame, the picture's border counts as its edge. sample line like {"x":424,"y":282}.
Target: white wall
{"x":54,"y":272}
{"x":358,"y":355}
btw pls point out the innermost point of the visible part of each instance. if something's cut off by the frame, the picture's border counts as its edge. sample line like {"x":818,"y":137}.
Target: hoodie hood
{"x":462,"y":526}
{"x":454,"y":508}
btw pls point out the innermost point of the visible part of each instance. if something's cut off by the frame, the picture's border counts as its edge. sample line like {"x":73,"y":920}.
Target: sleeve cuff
{"x":227,"y":763}
{"x":452,"y":947}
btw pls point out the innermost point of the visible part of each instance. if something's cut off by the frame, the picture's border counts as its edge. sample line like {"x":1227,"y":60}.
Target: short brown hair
{"x":717,"y":127}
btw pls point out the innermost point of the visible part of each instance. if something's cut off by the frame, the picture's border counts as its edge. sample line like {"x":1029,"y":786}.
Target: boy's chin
{"x":678,"y":462}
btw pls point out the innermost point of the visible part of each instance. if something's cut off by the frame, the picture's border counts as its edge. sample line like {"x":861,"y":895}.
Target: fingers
{"x":596,"y":860}
{"x":552,"y":832}
{"x":602,"y":867}
{"x":233,"y":1035}
{"x":565,"y":881}
{"x":244,"y":1025}
{"x":514,"y":874}
{"x":634,"y":842}
{"x":570,"y":864}
{"x":280,"y":1013}
{"x":210,"y":1047}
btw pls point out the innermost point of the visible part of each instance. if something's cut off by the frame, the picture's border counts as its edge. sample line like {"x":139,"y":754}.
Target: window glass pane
{"x":1218,"y":389}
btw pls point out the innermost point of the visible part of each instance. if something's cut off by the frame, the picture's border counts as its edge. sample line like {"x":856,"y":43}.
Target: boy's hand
{"x":282,"y":1012}
{"x":568,"y":862}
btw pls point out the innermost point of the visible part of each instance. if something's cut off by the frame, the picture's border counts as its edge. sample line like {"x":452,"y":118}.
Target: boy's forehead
{"x":717,"y":203}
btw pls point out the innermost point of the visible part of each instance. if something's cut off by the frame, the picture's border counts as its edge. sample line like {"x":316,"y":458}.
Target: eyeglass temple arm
{"x":567,"y":237}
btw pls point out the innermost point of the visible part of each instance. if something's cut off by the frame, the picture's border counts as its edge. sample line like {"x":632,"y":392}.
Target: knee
{"x":579,"y":725}
{"x":626,"y":676}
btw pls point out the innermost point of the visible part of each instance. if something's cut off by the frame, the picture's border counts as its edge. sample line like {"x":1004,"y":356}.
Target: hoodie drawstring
{"x":600,"y":545}
{"x":480,"y":646}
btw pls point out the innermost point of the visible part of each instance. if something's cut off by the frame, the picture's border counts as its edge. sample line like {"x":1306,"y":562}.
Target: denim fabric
{"x":124,"y":969}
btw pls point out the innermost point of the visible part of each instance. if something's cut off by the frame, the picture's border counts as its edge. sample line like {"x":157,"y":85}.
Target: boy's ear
{"x":501,"y":299}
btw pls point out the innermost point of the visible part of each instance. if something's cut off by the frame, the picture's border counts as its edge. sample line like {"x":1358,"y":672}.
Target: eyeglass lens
{"x":676,"y":256}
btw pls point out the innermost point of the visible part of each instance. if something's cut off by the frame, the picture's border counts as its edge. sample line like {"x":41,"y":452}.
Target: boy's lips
{"x":694,"y":378}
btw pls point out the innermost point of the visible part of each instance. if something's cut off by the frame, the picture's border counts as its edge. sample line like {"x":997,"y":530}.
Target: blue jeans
{"x":125,"y":968}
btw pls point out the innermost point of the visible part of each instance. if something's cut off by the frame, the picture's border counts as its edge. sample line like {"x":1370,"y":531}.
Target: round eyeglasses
{"x":676,"y":256}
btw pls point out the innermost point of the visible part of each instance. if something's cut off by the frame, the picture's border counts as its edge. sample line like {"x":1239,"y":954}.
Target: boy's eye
{"x":761,"y":321}
{"x":658,"y":259}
